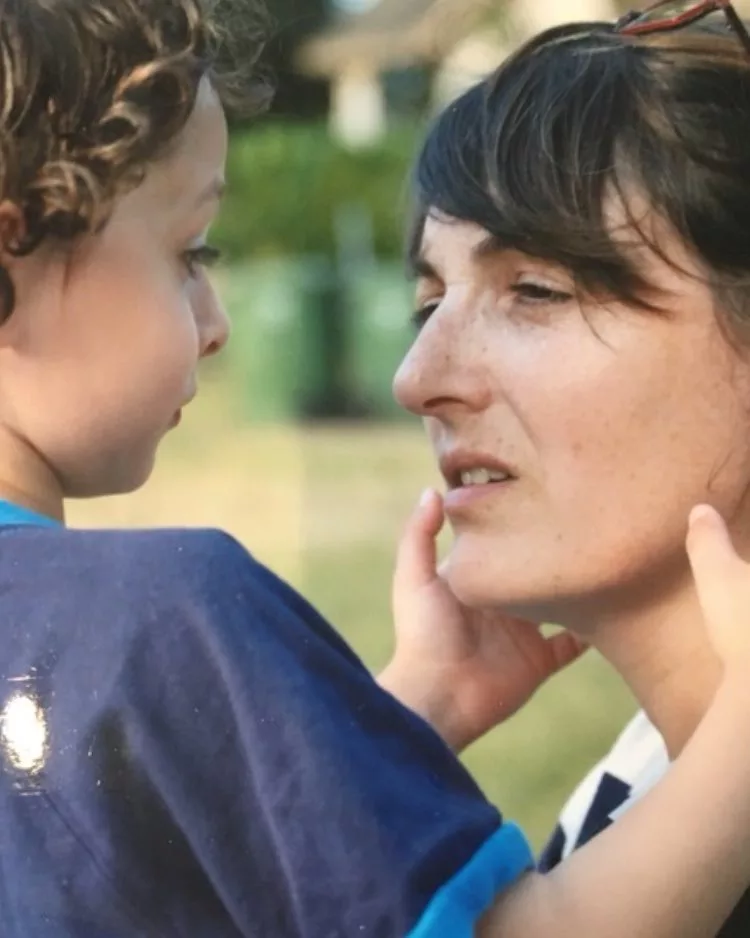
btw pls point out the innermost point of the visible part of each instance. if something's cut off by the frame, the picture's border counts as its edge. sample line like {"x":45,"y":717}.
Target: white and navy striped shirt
{"x":633,"y":766}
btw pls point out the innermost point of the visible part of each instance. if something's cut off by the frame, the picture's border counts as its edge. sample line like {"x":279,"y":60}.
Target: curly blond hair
{"x":93,"y":91}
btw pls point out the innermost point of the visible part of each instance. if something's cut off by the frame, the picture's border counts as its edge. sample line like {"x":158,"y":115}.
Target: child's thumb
{"x":416,"y":558}
{"x":722,"y":578}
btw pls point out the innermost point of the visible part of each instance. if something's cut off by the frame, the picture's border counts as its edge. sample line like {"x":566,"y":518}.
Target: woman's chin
{"x":481,"y":578}
{"x":477,"y":580}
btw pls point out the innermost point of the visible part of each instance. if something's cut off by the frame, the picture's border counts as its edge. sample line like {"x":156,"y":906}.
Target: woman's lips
{"x":463,"y":497}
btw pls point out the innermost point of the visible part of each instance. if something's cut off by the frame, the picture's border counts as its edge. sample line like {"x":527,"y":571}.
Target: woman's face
{"x":610,"y":421}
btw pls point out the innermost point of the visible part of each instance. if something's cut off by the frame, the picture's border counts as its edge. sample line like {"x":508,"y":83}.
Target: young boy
{"x":186,"y":747}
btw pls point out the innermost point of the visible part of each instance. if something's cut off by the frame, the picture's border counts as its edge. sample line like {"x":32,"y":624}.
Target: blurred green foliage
{"x":290,"y":186}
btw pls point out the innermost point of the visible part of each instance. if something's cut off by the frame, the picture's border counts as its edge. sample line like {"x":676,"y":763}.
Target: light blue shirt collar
{"x":12,"y":515}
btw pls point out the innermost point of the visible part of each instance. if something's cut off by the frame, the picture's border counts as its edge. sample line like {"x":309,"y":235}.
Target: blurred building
{"x":370,"y":43}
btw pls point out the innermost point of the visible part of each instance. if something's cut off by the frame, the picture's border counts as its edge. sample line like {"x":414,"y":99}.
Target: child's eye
{"x":420,"y":317}
{"x":529,"y":292}
{"x":200,"y":257}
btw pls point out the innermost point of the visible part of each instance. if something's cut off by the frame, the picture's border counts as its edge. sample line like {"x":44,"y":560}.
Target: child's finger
{"x":565,"y":648}
{"x":722,"y":578}
{"x":416,"y":558}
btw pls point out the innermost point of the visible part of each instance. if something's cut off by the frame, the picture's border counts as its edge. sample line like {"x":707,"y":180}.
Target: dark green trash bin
{"x":380,"y":302}
{"x":279,"y":350}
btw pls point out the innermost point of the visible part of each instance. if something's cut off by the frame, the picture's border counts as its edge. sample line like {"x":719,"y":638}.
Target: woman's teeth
{"x":482,"y":477}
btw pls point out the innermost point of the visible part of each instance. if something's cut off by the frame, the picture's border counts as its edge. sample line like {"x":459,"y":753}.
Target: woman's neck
{"x":665,"y":656}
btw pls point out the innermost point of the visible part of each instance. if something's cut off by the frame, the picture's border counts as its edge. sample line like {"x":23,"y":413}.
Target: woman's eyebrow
{"x":488,"y":248}
{"x":418,"y":267}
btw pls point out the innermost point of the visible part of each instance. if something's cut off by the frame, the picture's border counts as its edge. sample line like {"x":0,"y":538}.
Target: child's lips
{"x":177,"y":418}
{"x":175,"y":421}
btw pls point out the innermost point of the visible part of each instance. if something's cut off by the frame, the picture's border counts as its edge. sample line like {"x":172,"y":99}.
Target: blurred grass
{"x":324,"y":507}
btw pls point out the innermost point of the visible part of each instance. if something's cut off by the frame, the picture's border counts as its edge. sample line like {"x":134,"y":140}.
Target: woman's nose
{"x":443,"y":369}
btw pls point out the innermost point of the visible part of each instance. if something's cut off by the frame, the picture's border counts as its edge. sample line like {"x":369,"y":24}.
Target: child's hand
{"x":722,"y":579}
{"x":463,"y":670}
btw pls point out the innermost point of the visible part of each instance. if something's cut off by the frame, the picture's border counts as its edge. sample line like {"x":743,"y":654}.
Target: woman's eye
{"x":529,"y":292}
{"x":421,"y":316}
{"x":195,"y":259}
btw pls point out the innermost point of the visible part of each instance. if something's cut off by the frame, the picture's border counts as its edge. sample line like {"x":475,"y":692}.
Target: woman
{"x":582,"y":365}
{"x":186,"y":748}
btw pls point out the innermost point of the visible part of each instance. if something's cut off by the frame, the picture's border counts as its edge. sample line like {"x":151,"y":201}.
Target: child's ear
{"x":12,"y":227}
{"x":12,"y":232}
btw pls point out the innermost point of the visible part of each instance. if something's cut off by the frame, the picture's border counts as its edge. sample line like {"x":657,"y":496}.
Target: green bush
{"x":289,"y":184}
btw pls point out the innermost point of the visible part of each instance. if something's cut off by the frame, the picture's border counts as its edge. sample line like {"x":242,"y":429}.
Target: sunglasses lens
{"x":669,"y":16}
{"x":669,"y":12}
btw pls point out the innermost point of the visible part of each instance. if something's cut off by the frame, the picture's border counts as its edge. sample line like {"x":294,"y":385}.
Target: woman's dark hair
{"x":581,"y":115}
{"x":93,"y":91}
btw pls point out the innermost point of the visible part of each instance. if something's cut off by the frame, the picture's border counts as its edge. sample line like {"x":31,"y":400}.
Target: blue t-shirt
{"x":188,"y":749}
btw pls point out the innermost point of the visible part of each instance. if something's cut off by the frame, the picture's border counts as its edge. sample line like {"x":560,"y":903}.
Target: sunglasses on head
{"x":665,"y":17}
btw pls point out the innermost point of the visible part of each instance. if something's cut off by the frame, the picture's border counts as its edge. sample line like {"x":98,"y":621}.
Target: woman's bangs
{"x":531,"y":156}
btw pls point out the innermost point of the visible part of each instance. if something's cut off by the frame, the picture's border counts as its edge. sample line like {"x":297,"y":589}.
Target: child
{"x":187,"y":748}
